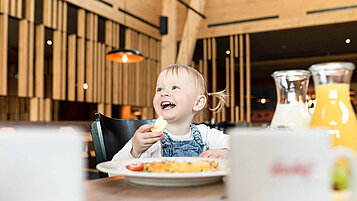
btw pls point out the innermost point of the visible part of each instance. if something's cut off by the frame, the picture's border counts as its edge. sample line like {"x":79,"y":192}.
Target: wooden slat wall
{"x":78,"y":58}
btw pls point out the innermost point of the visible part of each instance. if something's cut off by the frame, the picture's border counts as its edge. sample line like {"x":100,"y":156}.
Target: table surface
{"x":118,"y":188}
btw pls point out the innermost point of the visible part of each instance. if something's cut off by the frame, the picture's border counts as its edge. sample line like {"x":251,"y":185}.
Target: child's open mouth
{"x":167,"y":105}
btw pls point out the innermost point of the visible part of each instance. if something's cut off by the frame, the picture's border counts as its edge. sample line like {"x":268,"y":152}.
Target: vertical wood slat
{"x":200,"y":67}
{"x":89,"y":70}
{"x":138,"y":74}
{"x":54,"y":13}
{"x":148,"y":82}
{"x":214,"y":73}
{"x":95,"y":71}
{"x":19,"y":8}
{"x":23,"y":59}
{"x":237,"y":113}
{"x":232,"y":78}
{"x":227,"y":78}
{"x":71,"y":67}
{"x":115,"y":83}
{"x":34,"y":109}
{"x":4,"y":21}
{"x":12,"y":8}
{"x":31,"y":33}
{"x":81,"y":19}
{"x":241,"y":78}
{"x":209,"y":46}
{"x":41,"y":108}
{"x":236,"y":47}
{"x":108,"y":80}
{"x":57,"y":65}
{"x":48,"y":109}
{"x":59,"y":20}
{"x":99,"y":72}
{"x":47,"y":13}
{"x":64,"y":15}
{"x":4,"y":6}
{"x":30,"y":10}
{"x":95,"y":28}
{"x":102,"y":79}
{"x":120,"y":84}
{"x":247,"y":42}
{"x":108,"y":33}
{"x":40,"y":61}
{"x":80,"y":68}
{"x":63,"y":64}
{"x":89,"y":26}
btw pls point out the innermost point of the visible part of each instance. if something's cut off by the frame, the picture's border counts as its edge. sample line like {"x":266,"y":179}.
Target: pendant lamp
{"x":125,"y":56}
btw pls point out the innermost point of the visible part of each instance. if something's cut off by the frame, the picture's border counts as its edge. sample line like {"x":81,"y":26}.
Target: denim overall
{"x":185,"y":148}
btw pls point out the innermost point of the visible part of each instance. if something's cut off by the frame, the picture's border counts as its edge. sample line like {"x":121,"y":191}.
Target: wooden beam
{"x":71,"y":88}
{"x":169,"y":41}
{"x":4,"y":26}
{"x":190,"y":31}
{"x":40,"y":61}
{"x":247,"y":61}
{"x":241,"y":78}
{"x":23,"y":59}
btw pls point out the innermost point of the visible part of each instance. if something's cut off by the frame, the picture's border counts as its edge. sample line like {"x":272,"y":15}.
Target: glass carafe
{"x":291,"y":109}
{"x":333,"y":108}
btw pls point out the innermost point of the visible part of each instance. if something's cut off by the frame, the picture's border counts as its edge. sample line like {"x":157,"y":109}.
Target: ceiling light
{"x":347,"y":41}
{"x":49,"y":42}
{"x":228,"y":52}
{"x":125,"y":56}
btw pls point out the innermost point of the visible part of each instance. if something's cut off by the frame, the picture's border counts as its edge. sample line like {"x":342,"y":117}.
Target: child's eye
{"x":175,"y":87}
{"x":158,"y":89}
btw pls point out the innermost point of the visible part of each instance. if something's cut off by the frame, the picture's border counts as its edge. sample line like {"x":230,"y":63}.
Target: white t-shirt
{"x":214,"y":138}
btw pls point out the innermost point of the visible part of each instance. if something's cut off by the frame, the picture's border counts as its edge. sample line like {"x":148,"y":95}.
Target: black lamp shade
{"x":125,"y":56}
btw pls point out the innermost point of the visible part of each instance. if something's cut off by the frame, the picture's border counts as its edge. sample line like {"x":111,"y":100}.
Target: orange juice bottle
{"x":333,"y":108}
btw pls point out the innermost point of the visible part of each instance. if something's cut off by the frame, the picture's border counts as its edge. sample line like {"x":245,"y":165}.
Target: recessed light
{"x":85,"y":86}
{"x":347,"y":41}
{"x":228,"y":51}
{"x":49,"y":42}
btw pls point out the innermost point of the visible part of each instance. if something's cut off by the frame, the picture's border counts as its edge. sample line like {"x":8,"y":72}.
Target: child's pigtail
{"x":221,"y":96}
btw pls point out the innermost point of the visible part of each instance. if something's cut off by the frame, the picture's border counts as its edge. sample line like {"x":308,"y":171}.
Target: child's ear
{"x":200,"y":103}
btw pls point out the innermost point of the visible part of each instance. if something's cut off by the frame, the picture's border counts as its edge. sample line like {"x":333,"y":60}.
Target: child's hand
{"x":215,"y":153}
{"x":143,"y":139}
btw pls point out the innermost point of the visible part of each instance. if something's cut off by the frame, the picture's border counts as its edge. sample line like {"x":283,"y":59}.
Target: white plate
{"x":166,"y":179}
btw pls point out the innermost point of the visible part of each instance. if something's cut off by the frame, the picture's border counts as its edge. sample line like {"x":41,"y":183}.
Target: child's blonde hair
{"x":200,"y":84}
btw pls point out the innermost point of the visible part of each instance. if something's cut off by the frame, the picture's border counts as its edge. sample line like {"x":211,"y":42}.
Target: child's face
{"x":176,"y":96}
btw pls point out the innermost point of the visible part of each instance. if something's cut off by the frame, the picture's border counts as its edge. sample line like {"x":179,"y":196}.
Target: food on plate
{"x":174,"y":166}
{"x":159,"y":125}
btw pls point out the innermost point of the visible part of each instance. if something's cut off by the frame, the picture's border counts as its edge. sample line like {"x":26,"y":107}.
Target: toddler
{"x":180,"y":94}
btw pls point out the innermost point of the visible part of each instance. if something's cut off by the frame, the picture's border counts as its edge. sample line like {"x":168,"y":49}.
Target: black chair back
{"x":111,"y":134}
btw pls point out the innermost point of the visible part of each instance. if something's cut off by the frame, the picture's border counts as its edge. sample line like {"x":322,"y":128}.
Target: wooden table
{"x":118,"y":188}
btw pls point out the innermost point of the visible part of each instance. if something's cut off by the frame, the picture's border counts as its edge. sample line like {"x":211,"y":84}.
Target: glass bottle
{"x":291,"y":109}
{"x":334,"y":110}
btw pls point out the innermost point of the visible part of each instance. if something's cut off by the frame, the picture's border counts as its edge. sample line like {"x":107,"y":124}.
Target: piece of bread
{"x":159,"y":125}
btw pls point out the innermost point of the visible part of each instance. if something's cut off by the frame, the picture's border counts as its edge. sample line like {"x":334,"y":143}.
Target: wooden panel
{"x":48,"y":109}
{"x":145,"y":46}
{"x":227,"y":79}
{"x":64,"y":20}
{"x":4,"y":20}
{"x":95,"y":71}
{"x":95,"y":28}
{"x":57,"y":65}
{"x":247,"y":42}
{"x":30,"y":10}
{"x":31,"y":33}
{"x":109,"y":32}
{"x":72,"y":41}
{"x":47,"y":13}
{"x":63,"y":65}
{"x":108,"y":80}
{"x":103,"y":78}
{"x":189,"y":36}
{"x":80,"y":68}
{"x":236,"y":46}
{"x":4,"y":6}
{"x":89,"y":71}
{"x":19,"y":8}
{"x":59,"y":20}
{"x":120,"y":84}
{"x":55,"y":14}
{"x":232,"y":78}
{"x":99,"y":73}
{"x":89,"y":26}
{"x":23,"y":59}
{"x":169,"y":41}
{"x":115,"y":83}
{"x":81,"y":19}
{"x":12,"y":7}
{"x":152,"y":45}
{"x":209,"y":51}
{"x":34,"y":109}
{"x":39,"y":61}
{"x":214,"y":73}
{"x":241,"y":78}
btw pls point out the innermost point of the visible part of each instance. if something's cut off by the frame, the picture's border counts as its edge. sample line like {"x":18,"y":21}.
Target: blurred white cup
{"x":271,"y":165}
